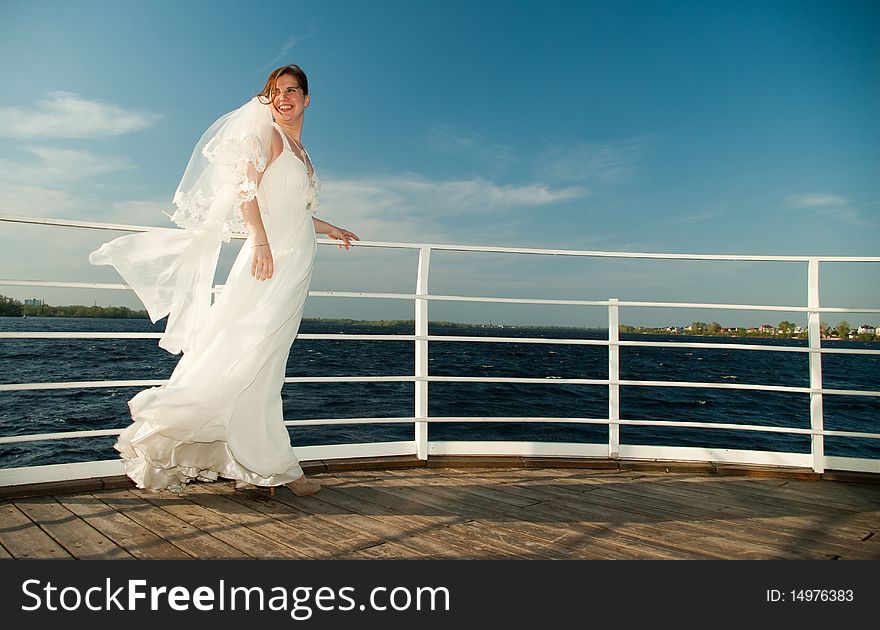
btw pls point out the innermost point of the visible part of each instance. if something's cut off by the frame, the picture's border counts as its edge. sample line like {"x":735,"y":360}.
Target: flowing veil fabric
{"x":172,"y":271}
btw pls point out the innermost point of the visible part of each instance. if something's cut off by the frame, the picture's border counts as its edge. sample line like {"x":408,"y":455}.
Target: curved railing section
{"x":422,"y":446}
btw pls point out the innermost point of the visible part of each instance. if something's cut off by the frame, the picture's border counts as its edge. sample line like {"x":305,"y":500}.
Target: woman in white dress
{"x":220,"y":414}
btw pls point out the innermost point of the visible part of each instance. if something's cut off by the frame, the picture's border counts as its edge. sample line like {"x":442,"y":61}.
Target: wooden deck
{"x":479,"y":512}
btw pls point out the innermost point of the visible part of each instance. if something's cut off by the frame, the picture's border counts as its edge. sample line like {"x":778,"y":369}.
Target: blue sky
{"x":707,"y":127}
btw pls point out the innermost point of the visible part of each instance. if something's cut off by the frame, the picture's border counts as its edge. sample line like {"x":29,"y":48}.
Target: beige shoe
{"x":303,"y":487}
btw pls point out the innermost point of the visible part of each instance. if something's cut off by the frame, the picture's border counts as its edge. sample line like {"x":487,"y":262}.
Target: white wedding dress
{"x":220,"y":414}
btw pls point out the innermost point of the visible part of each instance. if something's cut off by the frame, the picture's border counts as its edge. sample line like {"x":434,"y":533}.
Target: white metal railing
{"x":421,"y":446}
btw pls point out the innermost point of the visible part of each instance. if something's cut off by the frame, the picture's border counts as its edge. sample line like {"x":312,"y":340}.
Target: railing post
{"x":613,"y":378}
{"x":421,"y":366}
{"x":817,"y":419}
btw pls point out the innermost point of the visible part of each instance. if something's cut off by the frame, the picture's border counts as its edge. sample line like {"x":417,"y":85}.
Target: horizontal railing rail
{"x":421,"y":446}
{"x":121,"y":227}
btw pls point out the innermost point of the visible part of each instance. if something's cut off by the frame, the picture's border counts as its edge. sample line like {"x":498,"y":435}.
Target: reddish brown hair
{"x":268,"y":91}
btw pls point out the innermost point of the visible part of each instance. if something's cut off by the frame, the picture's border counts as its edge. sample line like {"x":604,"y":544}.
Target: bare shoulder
{"x":277,"y":145}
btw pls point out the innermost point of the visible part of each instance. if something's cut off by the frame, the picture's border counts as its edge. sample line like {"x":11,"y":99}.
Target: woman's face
{"x":289,"y":103}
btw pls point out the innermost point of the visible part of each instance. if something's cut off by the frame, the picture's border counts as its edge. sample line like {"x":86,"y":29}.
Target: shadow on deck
{"x":461,"y":508}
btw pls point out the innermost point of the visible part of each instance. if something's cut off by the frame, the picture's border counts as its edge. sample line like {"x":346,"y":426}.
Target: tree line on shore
{"x":785,"y":328}
{"x":10,"y":307}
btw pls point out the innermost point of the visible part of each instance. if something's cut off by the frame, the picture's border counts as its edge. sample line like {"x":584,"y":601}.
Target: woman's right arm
{"x":262,"y":264}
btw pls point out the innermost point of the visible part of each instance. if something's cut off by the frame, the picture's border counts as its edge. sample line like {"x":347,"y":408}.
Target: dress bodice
{"x":286,"y":183}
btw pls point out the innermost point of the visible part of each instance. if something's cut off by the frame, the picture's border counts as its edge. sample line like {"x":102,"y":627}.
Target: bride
{"x":220,"y":413}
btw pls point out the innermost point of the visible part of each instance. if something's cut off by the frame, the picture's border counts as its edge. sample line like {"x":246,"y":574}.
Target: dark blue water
{"x":47,"y":360}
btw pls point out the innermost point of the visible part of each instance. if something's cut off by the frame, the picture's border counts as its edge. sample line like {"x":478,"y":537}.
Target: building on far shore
{"x":33,"y":302}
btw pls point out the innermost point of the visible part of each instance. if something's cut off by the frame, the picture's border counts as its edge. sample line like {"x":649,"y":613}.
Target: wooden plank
{"x":704,"y":468}
{"x":507,"y":490}
{"x":79,"y":538}
{"x":480,"y":488}
{"x":765,"y":471}
{"x":659,"y":540}
{"x":719,"y":520}
{"x":4,"y":555}
{"x":471,"y":493}
{"x":371,"y":463}
{"x":505,"y":534}
{"x":290,"y":512}
{"x":840,"y":495}
{"x":179,"y":533}
{"x":571,"y":462}
{"x":805,"y":534}
{"x":474,"y":461}
{"x":382,"y":551}
{"x":658,"y":521}
{"x":439,"y":525}
{"x":807,"y":495}
{"x":642,"y":530}
{"x":448,"y":526}
{"x":340,"y":512}
{"x":284,"y":533}
{"x":126,"y":533}
{"x":22,"y":538}
{"x":613,"y":544}
{"x":49,"y":488}
{"x":365,"y":533}
{"x":422,"y":535}
{"x":565,"y":476}
{"x":853,"y":476}
{"x":850,"y":522}
{"x":224,"y":529}
{"x":334,"y":517}
{"x":739,"y":536}
{"x":528,"y":534}
{"x":682,"y":543}
{"x":513,"y":533}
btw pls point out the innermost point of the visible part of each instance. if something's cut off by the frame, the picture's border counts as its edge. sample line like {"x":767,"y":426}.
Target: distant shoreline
{"x":391,"y":323}
{"x":10,"y":307}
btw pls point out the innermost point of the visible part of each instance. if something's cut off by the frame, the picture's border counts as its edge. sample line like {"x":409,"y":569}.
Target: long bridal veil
{"x":172,"y":270}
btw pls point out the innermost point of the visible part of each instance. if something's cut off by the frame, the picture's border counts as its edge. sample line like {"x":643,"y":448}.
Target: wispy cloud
{"x":609,"y":163}
{"x":52,"y":184}
{"x":415,"y":208}
{"x":447,"y":139}
{"x":478,"y":195}
{"x":293,"y":40}
{"x":831,"y":206}
{"x":404,"y":193}
{"x":702,"y":216}
{"x":139,"y":212}
{"x":68,"y":115}
{"x":31,"y":200}
{"x":60,"y":165}
{"x":816,"y":200}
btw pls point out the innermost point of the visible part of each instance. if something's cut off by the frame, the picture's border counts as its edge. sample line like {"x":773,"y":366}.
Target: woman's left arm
{"x":339,"y":234}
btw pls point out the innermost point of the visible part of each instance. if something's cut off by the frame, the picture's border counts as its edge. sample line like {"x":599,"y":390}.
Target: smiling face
{"x":289,"y":103}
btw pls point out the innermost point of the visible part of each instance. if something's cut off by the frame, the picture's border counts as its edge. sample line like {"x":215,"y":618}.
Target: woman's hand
{"x":343,"y":235}
{"x":262,"y":264}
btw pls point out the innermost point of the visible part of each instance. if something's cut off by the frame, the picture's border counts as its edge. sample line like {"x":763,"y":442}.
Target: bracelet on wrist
{"x":262,"y":245}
